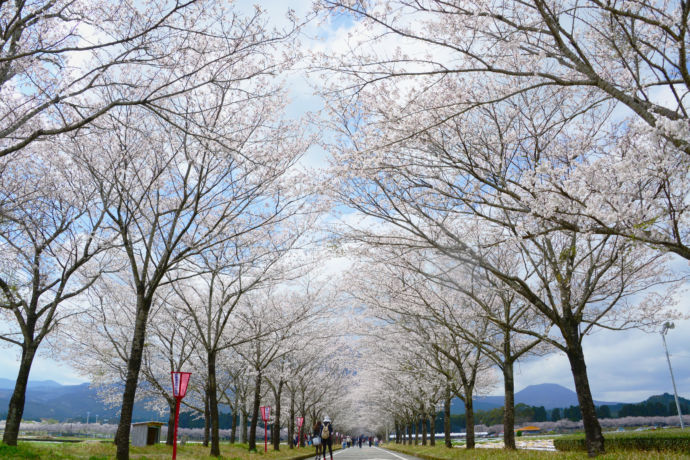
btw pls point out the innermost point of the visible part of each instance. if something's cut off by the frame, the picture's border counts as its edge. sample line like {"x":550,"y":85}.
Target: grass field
{"x":95,"y":450}
{"x":442,"y":453}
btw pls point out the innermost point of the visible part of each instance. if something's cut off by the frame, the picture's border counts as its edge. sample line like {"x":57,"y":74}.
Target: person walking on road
{"x":316,"y":438}
{"x":327,"y":437}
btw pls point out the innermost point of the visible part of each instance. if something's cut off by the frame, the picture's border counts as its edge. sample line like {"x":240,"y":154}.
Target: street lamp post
{"x":664,"y":330}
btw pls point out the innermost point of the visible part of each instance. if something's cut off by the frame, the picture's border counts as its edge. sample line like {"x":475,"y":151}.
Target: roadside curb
{"x":305,"y":456}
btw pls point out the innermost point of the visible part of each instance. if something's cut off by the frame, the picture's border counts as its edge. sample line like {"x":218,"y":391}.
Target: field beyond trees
{"x":97,"y":450}
{"x":666,"y":444}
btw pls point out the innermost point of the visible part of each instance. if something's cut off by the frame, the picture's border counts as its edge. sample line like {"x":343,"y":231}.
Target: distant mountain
{"x":549,"y":395}
{"x":666,"y":399}
{"x":7,"y":384}
{"x":49,"y":399}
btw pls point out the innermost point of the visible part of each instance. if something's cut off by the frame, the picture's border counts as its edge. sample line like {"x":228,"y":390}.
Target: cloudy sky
{"x":622,"y":366}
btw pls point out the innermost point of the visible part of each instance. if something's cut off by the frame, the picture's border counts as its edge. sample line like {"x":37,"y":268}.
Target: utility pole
{"x":664,"y":330}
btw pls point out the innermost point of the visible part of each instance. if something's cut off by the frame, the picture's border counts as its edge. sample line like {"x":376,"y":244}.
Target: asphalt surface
{"x":368,"y":453}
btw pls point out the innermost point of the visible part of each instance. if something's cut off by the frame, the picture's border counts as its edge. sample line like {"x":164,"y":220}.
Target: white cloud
{"x":43,"y":369}
{"x":625,"y":366}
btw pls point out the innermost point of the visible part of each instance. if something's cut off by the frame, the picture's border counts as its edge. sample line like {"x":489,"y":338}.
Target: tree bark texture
{"x":469,"y":418}
{"x":132,"y":379}
{"x":16,"y":407}
{"x":509,"y":407}
{"x":291,"y":424}
{"x":233,"y":426}
{"x":243,"y":426}
{"x":594,"y":440}
{"x":169,"y":438}
{"x":432,"y":429}
{"x":424,"y":428}
{"x":207,"y":418}
{"x":213,"y":404}
{"x":446,"y":420}
{"x":276,"y":425}
{"x":255,"y":412}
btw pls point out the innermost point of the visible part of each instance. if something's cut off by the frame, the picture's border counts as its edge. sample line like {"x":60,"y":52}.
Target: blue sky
{"x":622,"y":366}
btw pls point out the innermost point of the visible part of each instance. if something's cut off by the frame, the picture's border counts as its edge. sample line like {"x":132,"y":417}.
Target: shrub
{"x":660,"y":441}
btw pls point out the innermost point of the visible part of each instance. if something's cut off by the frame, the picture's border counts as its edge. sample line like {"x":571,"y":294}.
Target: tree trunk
{"x":243,"y":425}
{"x":423,"y":420}
{"x":432,"y":428}
{"x":207,"y":418}
{"x":213,"y":404}
{"x":133,"y":366}
{"x":276,"y":424}
{"x":255,"y":412}
{"x":303,"y":413}
{"x":397,"y":433}
{"x":16,"y":407}
{"x":469,"y":419}
{"x":416,"y":431}
{"x":233,"y":426}
{"x":594,"y":440}
{"x":291,"y":423}
{"x":169,"y":438}
{"x":446,"y":419}
{"x":509,"y":407}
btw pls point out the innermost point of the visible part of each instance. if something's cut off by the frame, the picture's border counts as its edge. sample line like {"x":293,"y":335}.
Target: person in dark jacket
{"x":316,"y":433}
{"x":327,"y":440}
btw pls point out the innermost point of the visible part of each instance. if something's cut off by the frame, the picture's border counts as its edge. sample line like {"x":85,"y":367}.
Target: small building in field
{"x":529,"y":429}
{"x":146,"y":433}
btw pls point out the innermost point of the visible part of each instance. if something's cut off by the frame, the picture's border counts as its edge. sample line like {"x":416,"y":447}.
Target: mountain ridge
{"x":548,"y":395}
{"x":50,"y":399}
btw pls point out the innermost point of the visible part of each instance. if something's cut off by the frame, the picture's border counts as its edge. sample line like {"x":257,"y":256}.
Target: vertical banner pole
{"x":177,"y":417}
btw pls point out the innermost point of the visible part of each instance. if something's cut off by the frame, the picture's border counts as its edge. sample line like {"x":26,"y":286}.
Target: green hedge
{"x":660,"y":441}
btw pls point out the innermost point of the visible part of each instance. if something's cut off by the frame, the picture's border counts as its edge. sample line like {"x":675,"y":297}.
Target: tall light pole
{"x":664,"y":330}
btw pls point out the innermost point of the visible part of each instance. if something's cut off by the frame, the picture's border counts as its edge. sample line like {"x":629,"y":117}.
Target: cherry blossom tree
{"x":416,"y":66}
{"x":628,"y":53}
{"x":270,"y":340}
{"x":429,"y":316}
{"x":170,"y":195}
{"x":65,"y":63}
{"x":51,"y":232}
{"x":228,"y":272}
{"x":460,"y":190}
{"x":486,"y":297}
{"x":97,"y":346}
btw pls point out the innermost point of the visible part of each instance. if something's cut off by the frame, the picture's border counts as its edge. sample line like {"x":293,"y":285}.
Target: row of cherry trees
{"x":270,"y":352}
{"x":521,"y":171}
{"x":152,"y":214}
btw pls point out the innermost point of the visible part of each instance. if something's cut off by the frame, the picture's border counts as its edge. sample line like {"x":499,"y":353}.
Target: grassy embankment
{"x":94,"y":450}
{"x":615,"y":450}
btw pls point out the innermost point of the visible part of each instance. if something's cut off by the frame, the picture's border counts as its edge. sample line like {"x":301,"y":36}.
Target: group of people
{"x":359,"y":440}
{"x":322,"y":437}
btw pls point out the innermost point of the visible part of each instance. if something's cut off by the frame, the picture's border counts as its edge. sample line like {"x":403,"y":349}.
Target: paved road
{"x":369,"y":453}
